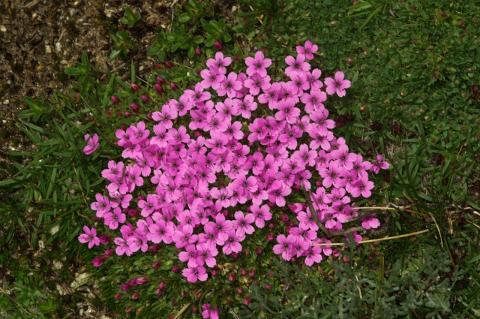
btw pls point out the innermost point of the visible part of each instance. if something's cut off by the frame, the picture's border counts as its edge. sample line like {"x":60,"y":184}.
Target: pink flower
{"x":260,"y":215}
{"x":229,"y":86}
{"x":114,"y":218}
{"x":313,"y":255}
{"x":206,"y":255}
{"x":190,"y":256}
{"x":332,"y":176}
{"x":308,"y":49}
{"x":338,"y":84}
{"x":379,"y":164}
{"x":361,"y":186}
{"x":370,"y":223}
{"x":296,"y":65}
{"x":313,"y":79}
{"x":211,"y":78}
{"x":283,"y":248}
{"x":208,"y":312}
{"x":194,"y":274}
{"x":101,"y":206}
{"x":246,"y":106}
{"x":232,"y":242}
{"x":314,"y":100}
{"x":277,"y":193}
{"x":122,"y":247}
{"x":299,"y":83}
{"x":256,"y":83}
{"x":259,"y":64}
{"x":89,"y":236}
{"x":219,"y":63}
{"x":182,"y":235}
{"x":243,"y":224}
{"x":161,"y":232}
{"x":92,"y":144}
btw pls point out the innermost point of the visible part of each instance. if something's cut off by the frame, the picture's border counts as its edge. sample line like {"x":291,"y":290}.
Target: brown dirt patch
{"x":40,"y":38}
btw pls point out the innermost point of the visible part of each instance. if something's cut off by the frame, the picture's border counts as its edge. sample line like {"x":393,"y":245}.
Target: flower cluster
{"x":228,"y":154}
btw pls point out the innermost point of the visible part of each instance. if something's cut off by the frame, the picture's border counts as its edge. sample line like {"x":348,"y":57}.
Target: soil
{"x":40,"y":38}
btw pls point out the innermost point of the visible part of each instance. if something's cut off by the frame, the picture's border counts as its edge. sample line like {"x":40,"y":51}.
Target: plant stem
{"x":381,"y":239}
{"x":374,"y":208}
{"x":308,"y":197}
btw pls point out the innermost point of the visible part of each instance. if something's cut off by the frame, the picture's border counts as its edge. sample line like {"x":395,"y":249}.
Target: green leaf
{"x":184,"y":17}
{"x":130,"y":17}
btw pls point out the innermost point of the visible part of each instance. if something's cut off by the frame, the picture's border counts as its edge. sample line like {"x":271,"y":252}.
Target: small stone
{"x":3,"y":28}
{"x":54,"y":229}
{"x":48,"y":49}
{"x":57,"y":265}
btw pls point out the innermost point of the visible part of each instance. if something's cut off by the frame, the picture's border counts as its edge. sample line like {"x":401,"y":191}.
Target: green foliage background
{"x":414,"y":66}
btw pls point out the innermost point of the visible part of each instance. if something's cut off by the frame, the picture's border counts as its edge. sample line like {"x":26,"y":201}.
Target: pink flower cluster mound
{"x":226,"y":156}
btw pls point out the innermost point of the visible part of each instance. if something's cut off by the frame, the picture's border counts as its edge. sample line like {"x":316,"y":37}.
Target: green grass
{"x":413,"y":65}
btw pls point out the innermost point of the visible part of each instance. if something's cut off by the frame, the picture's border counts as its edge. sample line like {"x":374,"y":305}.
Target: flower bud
{"x":145,"y":98}
{"x":117,"y":296}
{"x":160,"y":79}
{"x":176,"y":269}
{"x":168,"y":64}
{"x":135,"y":296}
{"x":135,"y":107}
{"x":270,"y":237}
{"x":198,"y":51}
{"x":158,"y":87}
{"x":127,"y":114}
{"x":174,"y":86}
{"x":141,"y":281}
{"x":217,"y":45}
{"x":258,"y":251}
{"x":115,"y":100}
{"x":132,"y":212}
{"x":134,"y":87}
{"x":160,"y":289}
{"x":98,"y":261}
{"x":231,"y":277}
{"x":108,"y":252}
{"x":156,"y":264}
{"x":154,"y":248}
{"x":105,"y":239}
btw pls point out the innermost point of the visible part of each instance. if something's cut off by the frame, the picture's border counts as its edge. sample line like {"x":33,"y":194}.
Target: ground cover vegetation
{"x":414,"y":97}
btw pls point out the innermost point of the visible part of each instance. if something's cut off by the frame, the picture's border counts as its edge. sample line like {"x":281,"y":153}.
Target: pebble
{"x":2,"y":28}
